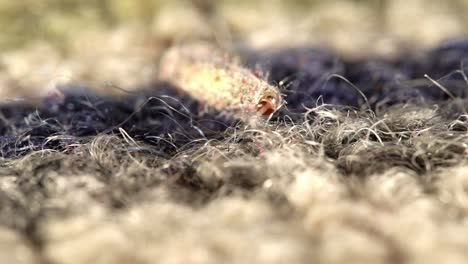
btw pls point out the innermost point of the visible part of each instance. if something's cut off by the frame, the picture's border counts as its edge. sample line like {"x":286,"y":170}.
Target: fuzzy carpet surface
{"x":366,"y":163}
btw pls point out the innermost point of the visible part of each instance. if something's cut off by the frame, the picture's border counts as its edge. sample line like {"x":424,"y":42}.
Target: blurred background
{"x":106,"y":43}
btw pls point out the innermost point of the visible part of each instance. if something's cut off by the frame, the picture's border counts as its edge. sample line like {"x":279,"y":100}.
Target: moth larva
{"x":213,"y":78}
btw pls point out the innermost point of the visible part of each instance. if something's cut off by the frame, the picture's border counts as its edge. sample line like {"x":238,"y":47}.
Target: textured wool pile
{"x":103,"y":163}
{"x":366,"y":163}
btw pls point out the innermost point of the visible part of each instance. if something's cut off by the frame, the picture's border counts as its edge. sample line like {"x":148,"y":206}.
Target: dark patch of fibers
{"x":311,"y":76}
{"x":181,"y":183}
{"x":148,"y":116}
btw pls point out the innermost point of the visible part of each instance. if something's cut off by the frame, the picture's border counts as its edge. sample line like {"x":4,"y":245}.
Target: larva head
{"x":268,"y":102}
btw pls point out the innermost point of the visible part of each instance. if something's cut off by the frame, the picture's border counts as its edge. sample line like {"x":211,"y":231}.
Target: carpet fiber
{"x":365,"y":163}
